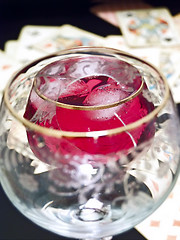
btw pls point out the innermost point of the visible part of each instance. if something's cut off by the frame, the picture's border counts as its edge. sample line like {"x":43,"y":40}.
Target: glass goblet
{"x":89,"y":142}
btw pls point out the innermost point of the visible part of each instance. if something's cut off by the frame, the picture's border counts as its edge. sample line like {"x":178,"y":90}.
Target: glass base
{"x":92,"y":211}
{"x":106,"y":238}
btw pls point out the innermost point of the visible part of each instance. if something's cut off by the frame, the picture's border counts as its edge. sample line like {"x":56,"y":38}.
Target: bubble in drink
{"x":88,"y":83}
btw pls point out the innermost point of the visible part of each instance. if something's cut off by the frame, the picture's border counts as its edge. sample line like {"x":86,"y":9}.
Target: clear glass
{"x":89,"y":142}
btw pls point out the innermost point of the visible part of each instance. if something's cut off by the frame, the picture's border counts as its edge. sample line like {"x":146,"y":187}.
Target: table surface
{"x":13,"y":16}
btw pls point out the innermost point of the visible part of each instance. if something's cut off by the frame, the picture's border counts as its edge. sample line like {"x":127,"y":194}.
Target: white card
{"x":29,"y":36}
{"x":150,"y":54}
{"x":68,"y":36}
{"x":10,"y":48}
{"x":38,"y":41}
{"x":8,"y":67}
{"x":148,"y":27}
{"x":164,"y":223}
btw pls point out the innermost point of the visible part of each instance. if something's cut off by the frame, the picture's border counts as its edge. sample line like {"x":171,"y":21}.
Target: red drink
{"x":96,"y":90}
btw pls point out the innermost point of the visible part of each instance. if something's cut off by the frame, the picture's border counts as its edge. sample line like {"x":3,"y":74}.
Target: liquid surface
{"x":91,"y":91}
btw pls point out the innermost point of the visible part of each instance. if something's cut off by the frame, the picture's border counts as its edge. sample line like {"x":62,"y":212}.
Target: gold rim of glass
{"x":88,"y":108}
{"x":95,"y":134}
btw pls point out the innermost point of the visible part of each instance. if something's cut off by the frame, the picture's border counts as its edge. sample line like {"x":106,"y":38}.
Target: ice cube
{"x":76,"y":88}
{"x":104,"y":95}
{"x":49,"y":87}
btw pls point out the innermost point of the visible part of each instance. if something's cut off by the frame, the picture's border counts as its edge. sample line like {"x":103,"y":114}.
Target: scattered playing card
{"x":56,"y":43}
{"x":150,"y":54}
{"x":8,"y":67}
{"x":176,"y":19}
{"x":29,"y":36}
{"x":116,"y":41}
{"x":10,"y":48}
{"x":176,"y":89}
{"x":164,"y":223}
{"x":38,"y":41}
{"x":68,"y":36}
{"x":107,"y":11}
{"x":169,"y":66}
{"x":149,"y":27}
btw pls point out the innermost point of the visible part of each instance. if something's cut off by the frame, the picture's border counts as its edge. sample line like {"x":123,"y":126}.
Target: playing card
{"x":38,"y":41}
{"x":68,"y":36}
{"x":164,"y":223}
{"x":169,"y":66}
{"x":56,"y":43}
{"x":151,"y":54}
{"x":116,"y":41}
{"x":107,"y":11}
{"x":29,"y":36}
{"x":10,"y":48}
{"x":176,"y":89}
{"x":176,"y":19}
{"x":8,"y":67}
{"x":149,"y":27}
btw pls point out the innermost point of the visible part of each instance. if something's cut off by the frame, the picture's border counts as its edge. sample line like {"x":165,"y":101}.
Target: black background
{"x":14,"y":14}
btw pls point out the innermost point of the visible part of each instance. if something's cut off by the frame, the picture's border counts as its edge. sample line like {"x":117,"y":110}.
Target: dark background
{"x":14,"y":14}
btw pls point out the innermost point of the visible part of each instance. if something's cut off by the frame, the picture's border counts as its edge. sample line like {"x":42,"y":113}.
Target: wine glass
{"x":89,"y":142}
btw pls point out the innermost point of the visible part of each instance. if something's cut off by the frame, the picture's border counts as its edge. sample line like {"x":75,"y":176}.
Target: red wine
{"x":90,"y":91}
